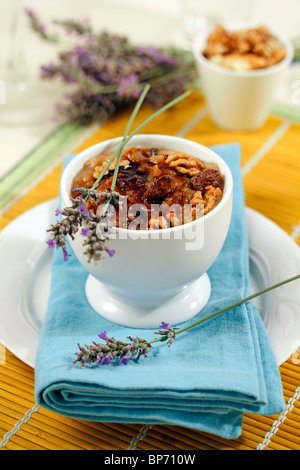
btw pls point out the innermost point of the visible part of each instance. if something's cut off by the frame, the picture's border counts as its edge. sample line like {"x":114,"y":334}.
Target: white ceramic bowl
{"x":239,"y":100}
{"x":154,"y":273}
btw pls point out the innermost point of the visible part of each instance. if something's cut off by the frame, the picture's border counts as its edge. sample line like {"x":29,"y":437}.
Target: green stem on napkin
{"x":236,"y":304}
{"x":100,"y":353}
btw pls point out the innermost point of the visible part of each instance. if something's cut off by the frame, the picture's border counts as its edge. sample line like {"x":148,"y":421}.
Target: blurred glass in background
{"x":27,"y":98}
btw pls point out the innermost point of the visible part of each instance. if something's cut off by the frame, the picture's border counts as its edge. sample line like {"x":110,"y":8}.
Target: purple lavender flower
{"x":79,"y":49}
{"x":110,"y":252}
{"x":38,"y":26}
{"x":100,"y":353}
{"x":74,"y":60}
{"x":72,"y":218}
{"x":85,"y":232}
{"x":82,"y":209}
{"x":42,"y":28}
{"x":58,"y":211}
{"x":88,"y":38}
{"x":69,"y":79}
{"x":79,"y":28}
{"x":132,"y":338}
{"x":104,"y":336}
{"x":124,"y":360}
{"x":140,"y":50}
{"x":65,"y":255}
{"x":49,"y":70}
{"x":51,"y":243}
{"x":28,"y":11}
{"x":160,"y":57}
{"x":58,"y":107}
{"x":165,"y":326}
{"x":167,"y":331}
{"x":105,"y":360}
{"x":129,"y":87}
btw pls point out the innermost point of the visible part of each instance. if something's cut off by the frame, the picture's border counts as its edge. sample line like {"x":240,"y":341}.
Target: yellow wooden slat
{"x":273,"y":186}
{"x":206,"y":133}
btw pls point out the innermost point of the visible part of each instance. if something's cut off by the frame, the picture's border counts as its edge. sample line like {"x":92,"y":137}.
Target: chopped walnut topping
{"x":249,"y":49}
{"x":197,"y":198}
{"x":160,"y":222}
{"x":198,"y":202}
{"x":197,"y":212}
{"x":112,"y":166}
{"x":174,"y":221}
{"x":180,"y":184}
{"x":212,"y":197}
{"x":159,"y":157}
{"x":164,"y":221}
{"x":184,"y":164}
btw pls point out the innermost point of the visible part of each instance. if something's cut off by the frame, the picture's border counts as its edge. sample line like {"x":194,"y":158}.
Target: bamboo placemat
{"x":271,"y":171}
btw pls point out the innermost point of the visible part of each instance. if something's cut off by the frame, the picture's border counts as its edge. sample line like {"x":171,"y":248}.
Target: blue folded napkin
{"x":206,"y":380}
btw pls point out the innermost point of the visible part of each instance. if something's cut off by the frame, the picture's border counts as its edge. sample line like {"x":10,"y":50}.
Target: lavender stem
{"x":235,"y":304}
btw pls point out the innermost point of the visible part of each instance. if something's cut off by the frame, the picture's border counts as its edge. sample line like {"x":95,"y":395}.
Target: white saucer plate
{"x":26,"y":275}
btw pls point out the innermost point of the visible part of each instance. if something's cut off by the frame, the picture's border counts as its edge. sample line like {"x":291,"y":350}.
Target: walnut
{"x":249,"y":49}
{"x":184,"y":164}
{"x":174,"y":221}
{"x":136,"y":156}
{"x":277,"y":55}
{"x":262,"y":49}
{"x":198,"y":202}
{"x":164,"y":221}
{"x":206,"y":203}
{"x":242,"y":45}
{"x":159,"y":157}
{"x":197,"y":198}
{"x":112,"y":166}
{"x":237,"y":61}
{"x":211,"y":198}
{"x":218,"y":43}
{"x":159,"y":222}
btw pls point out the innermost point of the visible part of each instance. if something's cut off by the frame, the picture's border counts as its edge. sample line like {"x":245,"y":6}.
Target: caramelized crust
{"x":156,"y":177}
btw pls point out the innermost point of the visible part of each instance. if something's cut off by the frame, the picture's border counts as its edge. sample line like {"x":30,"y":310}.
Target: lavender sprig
{"x":76,"y":216}
{"x":104,"y":353}
{"x":79,"y":28}
{"x":38,"y":26}
{"x":125,"y":351}
{"x":108,"y":73}
{"x":73,"y":217}
{"x":100,"y":226}
{"x":167,"y":331}
{"x":100,"y":353}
